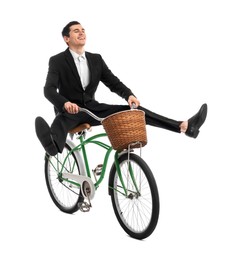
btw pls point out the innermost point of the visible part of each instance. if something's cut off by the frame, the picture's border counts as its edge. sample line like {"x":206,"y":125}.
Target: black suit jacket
{"x":63,"y":82}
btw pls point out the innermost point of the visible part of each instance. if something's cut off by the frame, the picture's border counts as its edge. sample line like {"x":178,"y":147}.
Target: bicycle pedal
{"x":85,"y":207}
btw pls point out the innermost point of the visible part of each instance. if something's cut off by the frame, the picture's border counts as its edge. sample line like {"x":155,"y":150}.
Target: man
{"x":71,"y":83}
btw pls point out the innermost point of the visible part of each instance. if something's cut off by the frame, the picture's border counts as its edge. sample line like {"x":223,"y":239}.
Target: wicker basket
{"x":126,"y":127}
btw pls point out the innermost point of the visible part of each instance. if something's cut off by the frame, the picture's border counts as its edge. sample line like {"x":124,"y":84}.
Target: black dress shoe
{"x":195,"y":122}
{"x":44,"y":135}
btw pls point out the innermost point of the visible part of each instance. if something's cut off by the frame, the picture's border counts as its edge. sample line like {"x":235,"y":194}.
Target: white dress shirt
{"x":82,"y":67}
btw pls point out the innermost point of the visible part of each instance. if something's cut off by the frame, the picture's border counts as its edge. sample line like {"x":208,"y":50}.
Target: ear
{"x":66,"y":39}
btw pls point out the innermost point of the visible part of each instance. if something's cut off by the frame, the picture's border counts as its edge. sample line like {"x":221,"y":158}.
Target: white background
{"x":174,"y":55}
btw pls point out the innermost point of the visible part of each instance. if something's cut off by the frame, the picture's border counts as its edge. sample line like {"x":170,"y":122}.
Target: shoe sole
{"x":203,"y":116}
{"x":43,"y":134}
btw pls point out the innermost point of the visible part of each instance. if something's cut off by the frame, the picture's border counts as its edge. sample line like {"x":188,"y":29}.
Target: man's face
{"x":77,"y":36}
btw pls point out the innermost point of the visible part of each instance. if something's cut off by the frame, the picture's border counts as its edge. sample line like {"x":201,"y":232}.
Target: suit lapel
{"x":70,"y":61}
{"x":89,"y":67}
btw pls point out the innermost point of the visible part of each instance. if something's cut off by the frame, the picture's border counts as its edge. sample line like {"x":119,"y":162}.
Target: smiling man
{"x":72,"y":80}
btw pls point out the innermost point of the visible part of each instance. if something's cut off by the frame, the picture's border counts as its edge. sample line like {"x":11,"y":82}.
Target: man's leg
{"x":53,"y":138}
{"x":65,"y":122}
{"x":153,"y":119}
{"x":157,"y":120}
{"x":190,"y":127}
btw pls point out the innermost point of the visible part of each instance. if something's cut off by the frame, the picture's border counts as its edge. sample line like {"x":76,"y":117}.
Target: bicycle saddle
{"x":80,"y":128}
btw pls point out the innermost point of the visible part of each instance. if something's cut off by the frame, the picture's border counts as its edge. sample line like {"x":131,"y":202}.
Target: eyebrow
{"x":76,"y":30}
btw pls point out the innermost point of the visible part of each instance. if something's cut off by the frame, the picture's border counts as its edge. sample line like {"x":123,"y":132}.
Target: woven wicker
{"x":126,"y":127}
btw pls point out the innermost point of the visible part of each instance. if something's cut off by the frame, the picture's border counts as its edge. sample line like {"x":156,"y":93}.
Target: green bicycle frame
{"x":82,"y":147}
{"x":94,"y":140}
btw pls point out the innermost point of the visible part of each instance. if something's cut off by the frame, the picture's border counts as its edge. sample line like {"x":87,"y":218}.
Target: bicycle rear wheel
{"x":66,"y":196}
{"x":135,"y":197}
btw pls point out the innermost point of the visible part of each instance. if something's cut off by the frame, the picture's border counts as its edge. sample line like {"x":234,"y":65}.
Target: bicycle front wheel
{"x":134,"y":196}
{"x":65,"y":195}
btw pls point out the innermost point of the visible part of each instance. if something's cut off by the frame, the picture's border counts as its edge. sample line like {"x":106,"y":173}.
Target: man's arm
{"x":51,"y":87}
{"x":113,"y":83}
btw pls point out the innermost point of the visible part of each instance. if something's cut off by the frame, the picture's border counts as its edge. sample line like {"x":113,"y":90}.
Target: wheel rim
{"x":135,"y":209}
{"x":64,"y":193}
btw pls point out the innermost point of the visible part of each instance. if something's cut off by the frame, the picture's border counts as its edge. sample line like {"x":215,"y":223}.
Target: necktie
{"x":82,"y":71}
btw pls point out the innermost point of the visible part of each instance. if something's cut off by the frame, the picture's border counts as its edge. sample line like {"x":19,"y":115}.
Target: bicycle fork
{"x":130,"y":174}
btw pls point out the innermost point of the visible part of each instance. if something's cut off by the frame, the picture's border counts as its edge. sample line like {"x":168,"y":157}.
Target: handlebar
{"x":96,"y":117}
{"x":91,"y":114}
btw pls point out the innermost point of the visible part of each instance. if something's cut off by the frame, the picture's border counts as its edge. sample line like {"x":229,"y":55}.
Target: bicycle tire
{"x":66,"y":197}
{"x":138,"y":212}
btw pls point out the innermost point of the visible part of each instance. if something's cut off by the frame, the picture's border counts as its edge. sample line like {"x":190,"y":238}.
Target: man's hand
{"x":132,"y":99}
{"x":71,"y":108}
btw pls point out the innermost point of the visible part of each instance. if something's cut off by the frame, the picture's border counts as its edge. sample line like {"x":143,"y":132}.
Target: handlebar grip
{"x":133,"y":106}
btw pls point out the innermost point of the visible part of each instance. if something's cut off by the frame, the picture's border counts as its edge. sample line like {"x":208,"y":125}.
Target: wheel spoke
{"x":65,"y":195}
{"x":137,"y":211}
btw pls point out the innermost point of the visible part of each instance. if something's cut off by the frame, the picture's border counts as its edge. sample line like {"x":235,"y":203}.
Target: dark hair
{"x":66,"y":29}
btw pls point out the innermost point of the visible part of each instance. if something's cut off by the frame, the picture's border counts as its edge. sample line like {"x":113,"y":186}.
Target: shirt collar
{"x":76,"y":55}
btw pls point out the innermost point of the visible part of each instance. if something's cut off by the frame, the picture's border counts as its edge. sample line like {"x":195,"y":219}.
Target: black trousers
{"x":64,"y":122}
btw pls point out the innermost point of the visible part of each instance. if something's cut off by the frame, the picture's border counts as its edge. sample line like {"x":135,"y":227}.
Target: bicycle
{"x":131,"y":185}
